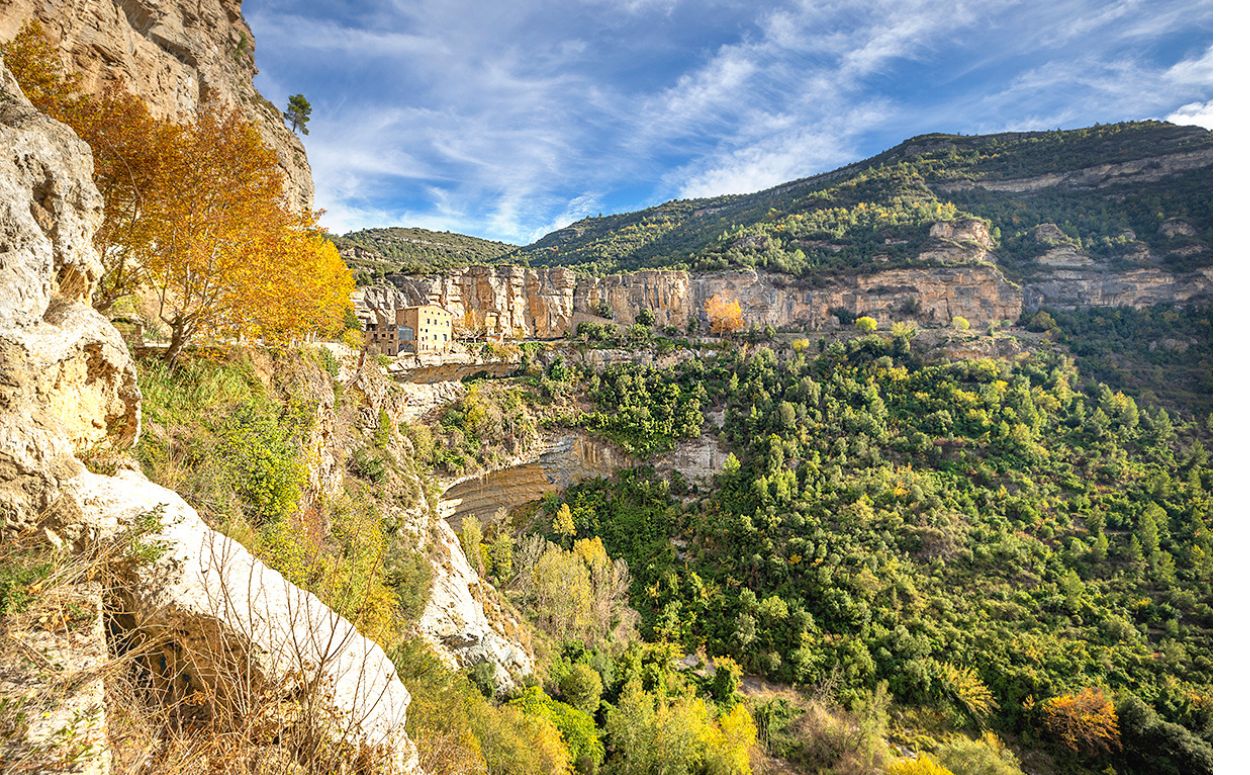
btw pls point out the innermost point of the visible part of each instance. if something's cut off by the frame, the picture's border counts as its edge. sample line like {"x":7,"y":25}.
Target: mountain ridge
{"x":1110,"y":190}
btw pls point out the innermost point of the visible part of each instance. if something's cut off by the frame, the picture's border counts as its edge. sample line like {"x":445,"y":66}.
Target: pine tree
{"x":298,"y":112}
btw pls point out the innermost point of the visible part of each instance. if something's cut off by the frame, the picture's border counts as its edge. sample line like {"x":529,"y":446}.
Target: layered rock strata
{"x":548,"y":303}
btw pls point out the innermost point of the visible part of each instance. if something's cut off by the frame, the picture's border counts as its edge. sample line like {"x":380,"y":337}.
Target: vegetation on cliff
{"x":374,"y":253}
{"x":194,"y":215}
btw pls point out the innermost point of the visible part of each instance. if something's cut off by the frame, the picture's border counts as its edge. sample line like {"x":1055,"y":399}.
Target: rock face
{"x":67,"y":391}
{"x":958,"y":278}
{"x":549,"y":302}
{"x":67,"y":386}
{"x":217,"y":613}
{"x":174,"y":54}
{"x":535,"y":302}
{"x":1071,"y":286}
{"x":1146,"y":170}
{"x":466,"y":620}
{"x":559,"y":463}
{"x":554,"y":465}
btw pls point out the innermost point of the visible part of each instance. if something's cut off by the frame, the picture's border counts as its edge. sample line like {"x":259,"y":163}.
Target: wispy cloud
{"x":510,"y":119}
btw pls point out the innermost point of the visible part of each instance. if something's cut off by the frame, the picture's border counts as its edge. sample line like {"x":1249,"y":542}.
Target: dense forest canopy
{"x":980,"y":535}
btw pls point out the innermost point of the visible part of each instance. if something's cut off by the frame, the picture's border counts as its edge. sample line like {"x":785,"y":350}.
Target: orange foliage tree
{"x":1084,"y":722}
{"x":724,"y":315}
{"x":194,"y":211}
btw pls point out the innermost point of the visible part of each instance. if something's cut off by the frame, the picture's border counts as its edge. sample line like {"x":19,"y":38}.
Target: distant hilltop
{"x":942,"y":226}
{"x":1131,"y":194}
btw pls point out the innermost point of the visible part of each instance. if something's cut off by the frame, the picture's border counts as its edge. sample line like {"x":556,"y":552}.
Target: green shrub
{"x":581,"y":686}
{"x":21,"y":572}
{"x":984,"y":756}
{"x":577,"y":727}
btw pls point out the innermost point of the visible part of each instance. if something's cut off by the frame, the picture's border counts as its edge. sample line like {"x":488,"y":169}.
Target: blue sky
{"x":509,"y":118}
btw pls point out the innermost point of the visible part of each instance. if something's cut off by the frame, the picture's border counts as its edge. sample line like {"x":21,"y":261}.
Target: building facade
{"x":423,"y":329}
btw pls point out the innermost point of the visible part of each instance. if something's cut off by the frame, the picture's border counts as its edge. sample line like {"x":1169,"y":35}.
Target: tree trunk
{"x":177,"y":340}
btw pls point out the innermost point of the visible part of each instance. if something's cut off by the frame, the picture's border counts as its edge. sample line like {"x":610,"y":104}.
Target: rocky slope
{"x":175,"y":54}
{"x":215,"y":621}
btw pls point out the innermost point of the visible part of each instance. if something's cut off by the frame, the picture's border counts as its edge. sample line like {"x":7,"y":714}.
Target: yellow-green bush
{"x":921,"y":765}
{"x":457,"y":730}
{"x":649,"y":733}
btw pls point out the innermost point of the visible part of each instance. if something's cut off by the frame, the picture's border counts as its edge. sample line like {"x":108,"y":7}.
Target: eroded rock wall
{"x":466,"y":620}
{"x":549,"y":302}
{"x":68,"y":392}
{"x":1074,"y":287}
{"x":174,"y":54}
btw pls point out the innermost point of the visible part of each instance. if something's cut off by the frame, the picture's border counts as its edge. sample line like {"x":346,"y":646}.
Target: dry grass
{"x":181,"y":695}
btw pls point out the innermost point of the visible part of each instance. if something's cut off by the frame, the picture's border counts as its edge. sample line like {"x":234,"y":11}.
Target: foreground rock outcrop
{"x":174,"y":54}
{"x":212,"y":619}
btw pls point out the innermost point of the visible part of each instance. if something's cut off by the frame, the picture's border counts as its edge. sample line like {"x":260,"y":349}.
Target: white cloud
{"x":1196,"y":113}
{"x":515,"y":118}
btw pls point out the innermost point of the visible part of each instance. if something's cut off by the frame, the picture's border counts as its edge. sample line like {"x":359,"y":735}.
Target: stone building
{"x":431,"y":326}
{"x":421,"y":329}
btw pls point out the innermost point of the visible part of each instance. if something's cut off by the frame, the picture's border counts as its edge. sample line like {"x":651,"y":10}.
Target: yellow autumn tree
{"x":1084,"y":722}
{"x":34,"y":62}
{"x":308,"y":296}
{"x":218,"y":221}
{"x":724,"y":315}
{"x":195,"y":212}
{"x":128,"y":148}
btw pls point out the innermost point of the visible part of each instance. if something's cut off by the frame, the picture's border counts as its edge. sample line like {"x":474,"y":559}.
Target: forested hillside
{"x":373,"y":253}
{"x":992,"y":543}
{"x":1107,"y":188}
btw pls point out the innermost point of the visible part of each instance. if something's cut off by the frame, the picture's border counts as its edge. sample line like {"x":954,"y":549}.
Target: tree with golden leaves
{"x":309,"y":296}
{"x":218,"y":226}
{"x":34,"y":62}
{"x":724,"y":315}
{"x":128,"y":147}
{"x":1084,"y":722}
{"x":195,"y":212}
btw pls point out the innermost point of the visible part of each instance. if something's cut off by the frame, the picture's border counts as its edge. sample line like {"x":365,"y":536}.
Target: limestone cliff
{"x":175,"y":54}
{"x":549,"y":302}
{"x":953,"y":273}
{"x":208,"y":619}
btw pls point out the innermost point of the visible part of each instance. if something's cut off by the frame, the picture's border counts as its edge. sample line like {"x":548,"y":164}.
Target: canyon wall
{"x":174,"y":54}
{"x":549,"y":302}
{"x":955,"y":275}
